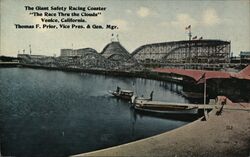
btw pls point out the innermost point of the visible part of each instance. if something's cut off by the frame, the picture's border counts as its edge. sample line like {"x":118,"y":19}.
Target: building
{"x":245,"y":56}
{"x":76,"y":52}
{"x":66,"y":52}
{"x":31,"y":57}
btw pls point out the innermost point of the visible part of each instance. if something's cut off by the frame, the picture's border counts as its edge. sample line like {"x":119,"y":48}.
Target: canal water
{"x":55,"y":113}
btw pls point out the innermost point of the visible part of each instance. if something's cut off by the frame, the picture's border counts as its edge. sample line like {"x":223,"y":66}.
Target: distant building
{"x":66,"y":52}
{"x":76,"y":52}
{"x":31,"y":56}
{"x":245,"y":54}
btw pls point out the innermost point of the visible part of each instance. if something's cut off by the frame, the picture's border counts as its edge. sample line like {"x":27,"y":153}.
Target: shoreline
{"x":147,"y":74}
{"x":215,"y":87}
{"x":222,"y":135}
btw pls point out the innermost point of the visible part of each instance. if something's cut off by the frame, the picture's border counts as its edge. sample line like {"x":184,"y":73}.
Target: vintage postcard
{"x":124,"y":78}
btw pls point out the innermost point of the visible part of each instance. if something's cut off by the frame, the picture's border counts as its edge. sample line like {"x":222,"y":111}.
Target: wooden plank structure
{"x":211,"y":105}
{"x":176,"y":105}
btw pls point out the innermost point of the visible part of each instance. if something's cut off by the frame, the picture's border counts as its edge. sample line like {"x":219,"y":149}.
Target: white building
{"x":76,"y":52}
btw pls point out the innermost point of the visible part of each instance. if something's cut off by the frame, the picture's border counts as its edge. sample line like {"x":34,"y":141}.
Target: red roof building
{"x":197,"y":74}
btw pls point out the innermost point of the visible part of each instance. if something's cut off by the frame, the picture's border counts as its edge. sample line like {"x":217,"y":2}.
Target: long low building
{"x":185,"y":51}
{"x":76,"y":52}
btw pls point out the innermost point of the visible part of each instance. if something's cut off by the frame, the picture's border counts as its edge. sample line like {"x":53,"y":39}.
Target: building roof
{"x":197,"y":74}
{"x":243,"y":74}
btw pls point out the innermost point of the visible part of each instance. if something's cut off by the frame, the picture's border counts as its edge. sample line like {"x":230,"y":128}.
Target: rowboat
{"x":122,"y":94}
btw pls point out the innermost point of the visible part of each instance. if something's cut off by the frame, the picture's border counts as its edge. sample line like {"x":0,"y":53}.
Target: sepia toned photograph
{"x":125,"y":78}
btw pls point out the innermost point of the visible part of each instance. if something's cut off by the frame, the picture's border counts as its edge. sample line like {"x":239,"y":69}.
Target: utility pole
{"x":112,"y":37}
{"x":188,"y":54}
{"x":205,"y":89}
{"x":205,"y":95}
{"x":30,"y":49}
{"x":189,"y":33}
{"x":189,"y":45}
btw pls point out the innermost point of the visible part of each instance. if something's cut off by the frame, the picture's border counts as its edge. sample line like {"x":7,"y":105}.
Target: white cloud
{"x":122,"y":24}
{"x":210,"y":17}
{"x":164,"y":24}
{"x":128,"y":11}
{"x":143,"y":12}
{"x":183,"y":20}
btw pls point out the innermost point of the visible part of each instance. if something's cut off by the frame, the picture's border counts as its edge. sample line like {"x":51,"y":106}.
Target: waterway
{"x":55,"y":113}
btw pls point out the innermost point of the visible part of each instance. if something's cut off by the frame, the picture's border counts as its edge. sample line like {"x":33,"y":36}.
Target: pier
{"x":170,"y":104}
{"x":9,"y":64}
{"x":210,"y":106}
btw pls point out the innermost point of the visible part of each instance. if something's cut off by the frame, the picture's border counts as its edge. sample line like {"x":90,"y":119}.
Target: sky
{"x":140,"y":22}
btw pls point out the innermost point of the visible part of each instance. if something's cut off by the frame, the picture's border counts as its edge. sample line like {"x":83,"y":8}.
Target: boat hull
{"x":166,"y":110}
{"x":125,"y":97}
